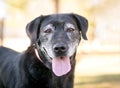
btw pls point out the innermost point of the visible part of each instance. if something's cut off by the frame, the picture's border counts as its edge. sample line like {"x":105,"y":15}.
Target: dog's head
{"x":57,"y":37}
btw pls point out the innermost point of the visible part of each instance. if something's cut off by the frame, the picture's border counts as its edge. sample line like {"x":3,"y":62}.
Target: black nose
{"x":60,"y":48}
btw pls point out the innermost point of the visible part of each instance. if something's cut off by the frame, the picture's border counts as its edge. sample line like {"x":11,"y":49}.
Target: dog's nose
{"x":60,"y":48}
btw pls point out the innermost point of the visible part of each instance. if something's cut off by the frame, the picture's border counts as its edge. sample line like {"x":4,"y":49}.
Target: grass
{"x":104,"y":81}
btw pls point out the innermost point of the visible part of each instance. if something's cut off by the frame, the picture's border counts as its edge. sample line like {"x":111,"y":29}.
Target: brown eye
{"x":70,"y":30}
{"x":49,"y":30}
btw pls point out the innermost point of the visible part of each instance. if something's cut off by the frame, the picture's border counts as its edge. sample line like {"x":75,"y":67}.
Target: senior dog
{"x":49,"y":61}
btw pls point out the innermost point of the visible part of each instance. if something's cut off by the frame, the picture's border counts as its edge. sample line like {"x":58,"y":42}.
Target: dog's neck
{"x":35,"y":66}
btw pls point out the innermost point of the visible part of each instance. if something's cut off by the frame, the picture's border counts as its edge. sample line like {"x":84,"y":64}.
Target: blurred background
{"x":98,"y":59}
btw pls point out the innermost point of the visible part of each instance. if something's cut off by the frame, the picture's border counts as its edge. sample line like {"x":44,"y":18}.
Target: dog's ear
{"x":33,"y":29}
{"x":82,"y":24}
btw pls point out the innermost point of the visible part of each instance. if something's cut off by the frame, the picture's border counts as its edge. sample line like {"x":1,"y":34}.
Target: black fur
{"x":25,"y":70}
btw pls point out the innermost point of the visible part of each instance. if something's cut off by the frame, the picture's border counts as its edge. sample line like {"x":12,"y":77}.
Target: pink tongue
{"x":61,"y":66}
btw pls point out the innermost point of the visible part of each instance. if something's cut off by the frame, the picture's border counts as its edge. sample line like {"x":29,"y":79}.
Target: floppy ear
{"x":82,"y":24}
{"x":33,"y":29}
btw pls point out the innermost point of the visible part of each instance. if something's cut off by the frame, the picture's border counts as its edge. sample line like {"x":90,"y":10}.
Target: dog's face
{"x":58,"y":37}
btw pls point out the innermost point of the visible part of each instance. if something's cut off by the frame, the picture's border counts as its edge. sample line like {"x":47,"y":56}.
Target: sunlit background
{"x":98,"y":59}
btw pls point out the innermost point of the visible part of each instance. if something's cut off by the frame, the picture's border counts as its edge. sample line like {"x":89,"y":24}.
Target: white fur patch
{"x":69,"y":25}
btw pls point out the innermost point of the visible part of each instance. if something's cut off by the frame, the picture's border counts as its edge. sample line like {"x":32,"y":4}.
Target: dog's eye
{"x":70,"y":29}
{"x":49,"y":30}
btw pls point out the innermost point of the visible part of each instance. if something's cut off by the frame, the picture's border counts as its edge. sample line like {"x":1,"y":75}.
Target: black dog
{"x":49,"y":62}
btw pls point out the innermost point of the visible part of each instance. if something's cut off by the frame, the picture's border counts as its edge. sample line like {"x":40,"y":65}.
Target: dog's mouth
{"x":61,"y":65}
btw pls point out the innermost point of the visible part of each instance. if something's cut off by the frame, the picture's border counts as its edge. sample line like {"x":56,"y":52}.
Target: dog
{"x":49,"y":61}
